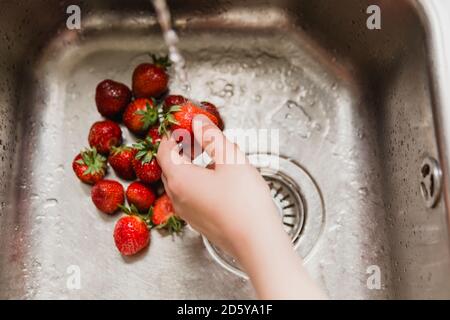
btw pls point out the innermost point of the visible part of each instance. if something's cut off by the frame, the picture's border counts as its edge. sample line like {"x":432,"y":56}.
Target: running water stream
{"x":171,"y":39}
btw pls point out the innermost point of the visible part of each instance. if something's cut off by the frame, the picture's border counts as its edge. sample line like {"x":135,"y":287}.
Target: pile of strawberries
{"x":148,"y":112}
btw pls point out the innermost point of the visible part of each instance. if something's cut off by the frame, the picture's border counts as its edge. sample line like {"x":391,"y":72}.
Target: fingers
{"x":169,"y":157}
{"x":214,"y":142}
{"x":166,"y":187}
{"x":209,"y":137}
{"x":178,"y":171}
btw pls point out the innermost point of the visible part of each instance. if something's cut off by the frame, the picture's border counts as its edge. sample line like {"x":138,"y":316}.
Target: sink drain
{"x":299,"y":204}
{"x":430,"y":182}
{"x":289,"y":202}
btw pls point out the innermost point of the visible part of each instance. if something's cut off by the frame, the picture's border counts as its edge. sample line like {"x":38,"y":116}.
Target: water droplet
{"x":49,"y":203}
{"x":363,"y":191}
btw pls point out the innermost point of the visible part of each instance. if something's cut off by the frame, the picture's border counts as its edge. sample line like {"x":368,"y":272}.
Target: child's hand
{"x":232,"y":206}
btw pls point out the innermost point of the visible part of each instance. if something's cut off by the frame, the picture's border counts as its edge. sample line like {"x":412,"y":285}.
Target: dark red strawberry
{"x":121,"y":160}
{"x":151,"y":79}
{"x":145,"y":164}
{"x":112,"y":98}
{"x":164,"y":215}
{"x":140,"y":115}
{"x":89,"y":166}
{"x":140,"y":195}
{"x":207,"y":106}
{"x":148,"y":172}
{"x":104,"y":135}
{"x":131,"y":234}
{"x":174,"y":100}
{"x":180,"y":117}
{"x":154,"y":134}
{"x":108,"y":196}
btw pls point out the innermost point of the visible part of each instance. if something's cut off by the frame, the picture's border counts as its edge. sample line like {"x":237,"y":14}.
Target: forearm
{"x":275,"y":269}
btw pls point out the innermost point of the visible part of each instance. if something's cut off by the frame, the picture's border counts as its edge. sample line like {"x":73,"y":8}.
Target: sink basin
{"x":362,"y":127}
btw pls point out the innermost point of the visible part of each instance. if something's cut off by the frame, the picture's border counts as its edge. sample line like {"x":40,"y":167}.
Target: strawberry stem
{"x":95,"y":162}
{"x":116,"y":150}
{"x":162,"y":62}
{"x":133,"y":211}
{"x":146,"y":150}
{"x":149,"y":116}
{"x":168,"y":119}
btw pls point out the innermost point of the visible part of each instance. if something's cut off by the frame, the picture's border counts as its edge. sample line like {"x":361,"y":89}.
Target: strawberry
{"x":207,"y":106}
{"x":180,"y":117}
{"x":131,"y":234}
{"x":108,"y":196}
{"x":154,"y":134}
{"x":112,"y":98}
{"x":151,"y":79}
{"x":121,"y":159}
{"x":89,"y":166}
{"x":140,"y":195}
{"x":164,"y":216}
{"x":148,"y":172}
{"x":145,"y":164}
{"x":104,"y":135}
{"x":140,"y":115}
{"x":174,"y":100}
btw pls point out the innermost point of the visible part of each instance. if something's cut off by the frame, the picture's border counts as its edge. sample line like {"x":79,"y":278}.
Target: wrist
{"x":273,"y":266}
{"x":259,"y":247}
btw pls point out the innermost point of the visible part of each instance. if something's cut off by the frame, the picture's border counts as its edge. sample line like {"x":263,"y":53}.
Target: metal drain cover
{"x":289,"y":203}
{"x":299,"y":204}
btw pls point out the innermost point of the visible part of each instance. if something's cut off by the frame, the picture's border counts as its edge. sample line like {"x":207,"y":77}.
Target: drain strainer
{"x":299,"y":204}
{"x":430,"y":182}
{"x":289,"y":202}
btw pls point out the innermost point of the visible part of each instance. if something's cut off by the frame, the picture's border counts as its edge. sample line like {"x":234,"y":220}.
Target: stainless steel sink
{"x":364,"y":127}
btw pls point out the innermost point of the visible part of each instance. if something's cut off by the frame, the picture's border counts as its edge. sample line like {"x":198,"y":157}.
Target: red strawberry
{"x":154,"y":134}
{"x":131,"y":235}
{"x":140,"y":115}
{"x":89,"y":166}
{"x":104,"y":135}
{"x":174,"y":100}
{"x":145,"y":165}
{"x":112,"y":98}
{"x":207,"y":106}
{"x":151,"y":79}
{"x":164,"y":216}
{"x":140,"y":195}
{"x":180,"y":117}
{"x":148,"y":172}
{"x":121,"y":159}
{"x":108,"y":196}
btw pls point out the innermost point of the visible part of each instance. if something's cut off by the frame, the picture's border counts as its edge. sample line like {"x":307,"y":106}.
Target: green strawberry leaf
{"x":95,"y":162}
{"x":148,"y":157}
{"x":146,"y":150}
{"x":163,"y":62}
{"x":149,"y":116}
{"x":173,"y":225}
{"x":141,"y":154}
{"x":174,"y":109}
